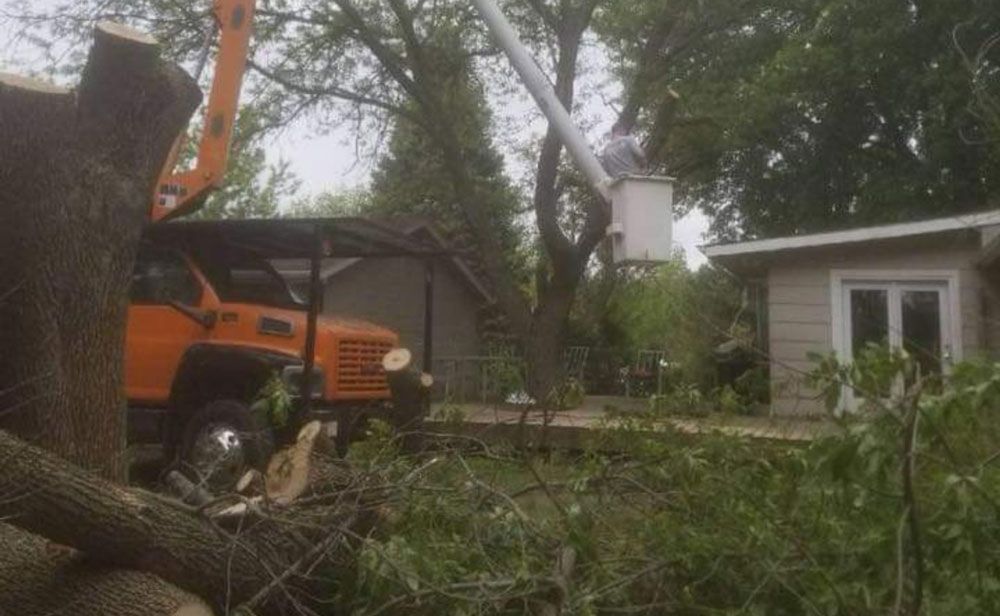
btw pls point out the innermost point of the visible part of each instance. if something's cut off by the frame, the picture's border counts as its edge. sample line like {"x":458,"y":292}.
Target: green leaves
{"x":273,"y":402}
{"x":805,"y":116}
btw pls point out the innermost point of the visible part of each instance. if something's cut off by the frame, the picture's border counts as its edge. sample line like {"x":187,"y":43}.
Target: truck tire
{"x":221,"y":442}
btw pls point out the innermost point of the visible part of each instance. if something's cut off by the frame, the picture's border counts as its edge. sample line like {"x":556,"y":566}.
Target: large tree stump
{"x":37,"y":577}
{"x":411,"y":394}
{"x":77,"y":170}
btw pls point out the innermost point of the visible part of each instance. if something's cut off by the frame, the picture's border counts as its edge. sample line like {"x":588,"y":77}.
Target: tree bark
{"x":78,"y":170}
{"x":411,"y":395}
{"x":38,"y":577}
{"x":556,"y":289}
{"x":133,"y":529}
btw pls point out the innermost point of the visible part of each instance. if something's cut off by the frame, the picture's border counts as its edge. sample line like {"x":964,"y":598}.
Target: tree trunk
{"x":133,"y":529}
{"x":539,"y":330}
{"x":544,"y":346}
{"x":78,"y":170}
{"x":411,"y":396}
{"x":38,"y":577}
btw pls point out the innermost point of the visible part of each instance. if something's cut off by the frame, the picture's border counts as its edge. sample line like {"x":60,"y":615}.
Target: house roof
{"x":409,"y":226}
{"x":852,"y":236}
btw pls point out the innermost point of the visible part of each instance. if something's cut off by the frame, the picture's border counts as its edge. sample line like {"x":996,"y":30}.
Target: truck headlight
{"x":292,"y":377}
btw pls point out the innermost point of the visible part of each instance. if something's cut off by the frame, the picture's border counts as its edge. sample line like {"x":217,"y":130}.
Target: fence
{"x":478,"y":378}
{"x":495,"y":378}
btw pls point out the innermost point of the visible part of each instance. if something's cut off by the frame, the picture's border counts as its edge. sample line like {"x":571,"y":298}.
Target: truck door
{"x":158,"y":333}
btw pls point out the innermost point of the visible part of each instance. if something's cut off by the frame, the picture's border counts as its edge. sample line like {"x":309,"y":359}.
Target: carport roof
{"x":347,"y":237}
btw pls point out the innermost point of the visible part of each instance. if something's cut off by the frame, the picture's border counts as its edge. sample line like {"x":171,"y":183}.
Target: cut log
{"x":38,"y":577}
{"x":78,"y":170}
{"x":249,"y":482}
{"x":306,"y":469}
{"x":133,"y":529}
{"x":288,"y":471}
{"x":411,"y":390}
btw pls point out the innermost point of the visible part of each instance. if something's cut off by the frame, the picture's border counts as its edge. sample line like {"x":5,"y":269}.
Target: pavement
{"x":483,"y":419}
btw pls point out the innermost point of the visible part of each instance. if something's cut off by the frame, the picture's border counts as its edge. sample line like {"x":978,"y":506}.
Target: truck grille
{"x":360,"y":366}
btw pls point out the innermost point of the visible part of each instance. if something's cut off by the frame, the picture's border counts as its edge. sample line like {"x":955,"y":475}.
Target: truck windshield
{"x":252,"y":282}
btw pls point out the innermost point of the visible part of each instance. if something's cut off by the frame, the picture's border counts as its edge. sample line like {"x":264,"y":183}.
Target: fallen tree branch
{"x":38,"y":577}
{"x":133,"y":529}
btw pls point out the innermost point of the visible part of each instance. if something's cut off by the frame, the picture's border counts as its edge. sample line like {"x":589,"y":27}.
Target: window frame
{"x":842,"y":281}
{"x":157,"y":250}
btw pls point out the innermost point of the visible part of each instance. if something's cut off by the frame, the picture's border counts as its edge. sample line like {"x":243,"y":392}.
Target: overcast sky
{"x":328,"y":162}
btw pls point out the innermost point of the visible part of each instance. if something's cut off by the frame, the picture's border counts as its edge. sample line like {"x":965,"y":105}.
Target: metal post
{"x":428,"y":315}
{"x":545,"y":96}
{"x":315,"y":301}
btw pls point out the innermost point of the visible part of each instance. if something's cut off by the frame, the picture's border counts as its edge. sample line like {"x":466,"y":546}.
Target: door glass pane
{"x":922,"y":329}
{"x":869,"y":318}
{"x":162,"y":277}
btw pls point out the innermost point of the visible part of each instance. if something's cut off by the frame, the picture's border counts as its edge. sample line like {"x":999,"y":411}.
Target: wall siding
{"x":799,"y":310}
{"x":390,"y":292}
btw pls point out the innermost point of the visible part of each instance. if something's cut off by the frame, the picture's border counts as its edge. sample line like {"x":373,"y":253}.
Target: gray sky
{"x":328,"y":162}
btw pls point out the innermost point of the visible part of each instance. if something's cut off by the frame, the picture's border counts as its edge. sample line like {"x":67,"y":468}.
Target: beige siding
{"x":800,"y":311}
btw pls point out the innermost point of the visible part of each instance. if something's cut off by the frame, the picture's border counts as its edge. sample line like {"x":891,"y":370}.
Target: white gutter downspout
{"x":545,"y":96}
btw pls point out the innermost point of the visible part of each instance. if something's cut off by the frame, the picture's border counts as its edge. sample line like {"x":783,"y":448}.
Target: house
{"x":931,"y":287}
{"x":390,"y":292}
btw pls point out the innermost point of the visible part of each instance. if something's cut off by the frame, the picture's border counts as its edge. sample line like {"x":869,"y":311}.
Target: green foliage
{"x":273,"y":404}
{"x":686,"y":313}
{"x":681,"y":399}
{"x":329,"y":205}
{"x":252,"y":187}
{"x":674,"y":524}
{"x":808,"y":115}
{"x":412,"y":179}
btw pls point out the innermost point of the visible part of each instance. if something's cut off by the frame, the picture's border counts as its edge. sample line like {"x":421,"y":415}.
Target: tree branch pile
{"x":279,"y":556}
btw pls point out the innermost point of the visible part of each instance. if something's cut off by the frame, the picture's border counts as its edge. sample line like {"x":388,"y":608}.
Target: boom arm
{"x":178,"y":194}
{"x":545,"y":95}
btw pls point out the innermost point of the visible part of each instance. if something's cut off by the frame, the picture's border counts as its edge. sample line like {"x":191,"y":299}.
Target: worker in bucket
{"x":623,"y":155}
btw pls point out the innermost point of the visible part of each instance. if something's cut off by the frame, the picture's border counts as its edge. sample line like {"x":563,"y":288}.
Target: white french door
{"x":915,"y":316}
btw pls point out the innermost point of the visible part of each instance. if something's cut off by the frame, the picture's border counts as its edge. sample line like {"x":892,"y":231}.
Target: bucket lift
{"x":641,"y":206}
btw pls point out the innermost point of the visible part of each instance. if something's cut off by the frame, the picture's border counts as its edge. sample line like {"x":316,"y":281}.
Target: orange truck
{"x":211,"y":323}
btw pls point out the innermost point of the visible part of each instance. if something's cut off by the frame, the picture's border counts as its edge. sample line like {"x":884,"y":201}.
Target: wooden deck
{"x":571,"y":428}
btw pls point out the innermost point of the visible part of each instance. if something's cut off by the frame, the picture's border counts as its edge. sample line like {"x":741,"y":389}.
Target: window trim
{"x":187,"y":265}
{"x":839,"y":278}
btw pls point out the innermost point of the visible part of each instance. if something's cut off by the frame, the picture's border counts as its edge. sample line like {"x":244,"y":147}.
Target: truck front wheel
{"x":222,"y":442}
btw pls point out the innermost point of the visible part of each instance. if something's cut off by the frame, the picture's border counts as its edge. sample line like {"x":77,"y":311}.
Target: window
{"x":915,"y":311}
{"x":250,"y":281}
{"x":161,"y":277}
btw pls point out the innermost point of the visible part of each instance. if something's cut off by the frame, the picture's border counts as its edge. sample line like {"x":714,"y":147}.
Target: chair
{"x":643,"y":376}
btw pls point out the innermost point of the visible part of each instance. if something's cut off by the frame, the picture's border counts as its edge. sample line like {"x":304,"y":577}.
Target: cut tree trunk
{"x":38,"y":577}
{"x":288,"y":471}
{"x":411,"y":391}
{"x":133,"y":529}
{"x":78,"y":171}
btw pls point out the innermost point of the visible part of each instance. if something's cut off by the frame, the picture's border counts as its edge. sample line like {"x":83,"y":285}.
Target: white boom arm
{"x":545,"y":96}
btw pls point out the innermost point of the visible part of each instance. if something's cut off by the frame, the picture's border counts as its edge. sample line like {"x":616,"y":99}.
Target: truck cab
{"x":210,"y":323}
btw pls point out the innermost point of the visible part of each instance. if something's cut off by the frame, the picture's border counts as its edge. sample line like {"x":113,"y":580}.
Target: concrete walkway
{"x":497,"y":422}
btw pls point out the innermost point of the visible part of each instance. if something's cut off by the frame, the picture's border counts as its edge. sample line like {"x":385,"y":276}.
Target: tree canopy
{"x":801,"y":116}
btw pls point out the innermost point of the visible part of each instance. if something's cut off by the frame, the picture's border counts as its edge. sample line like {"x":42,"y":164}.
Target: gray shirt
{"x":623,"y":156}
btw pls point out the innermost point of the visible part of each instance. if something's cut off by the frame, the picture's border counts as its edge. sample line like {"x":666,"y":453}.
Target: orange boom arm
{"x":178,"y":194}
